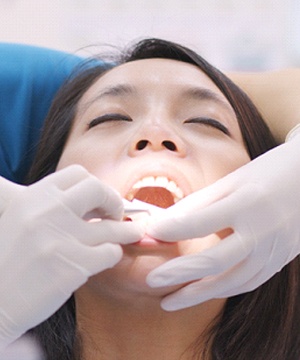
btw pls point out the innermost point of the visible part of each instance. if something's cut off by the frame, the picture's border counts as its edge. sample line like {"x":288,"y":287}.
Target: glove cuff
{"x":293,"y":132}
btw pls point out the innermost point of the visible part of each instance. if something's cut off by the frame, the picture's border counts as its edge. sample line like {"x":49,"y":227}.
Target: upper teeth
{"x":158,"y":181}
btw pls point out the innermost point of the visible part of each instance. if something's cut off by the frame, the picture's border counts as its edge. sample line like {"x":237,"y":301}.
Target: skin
{"x":153,"y":107}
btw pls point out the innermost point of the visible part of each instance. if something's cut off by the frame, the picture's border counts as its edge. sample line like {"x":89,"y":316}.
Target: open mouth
{"x":158,"y":191}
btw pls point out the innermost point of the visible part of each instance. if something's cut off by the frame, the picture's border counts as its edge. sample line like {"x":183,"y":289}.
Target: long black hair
{"x":262,"y":324}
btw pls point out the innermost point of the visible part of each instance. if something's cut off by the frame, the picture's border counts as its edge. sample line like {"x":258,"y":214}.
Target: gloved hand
{"x":48,"y":249}
{"x":22,"y":349}
{"x":261,"y":203}
{"x":8,"y":190}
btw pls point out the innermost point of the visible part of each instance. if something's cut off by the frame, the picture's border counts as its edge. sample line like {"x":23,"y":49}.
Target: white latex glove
{"x":8,"y":190}
{"x":48,"y":250}
{"x":22,"y":349}
{"x":261,"y":203}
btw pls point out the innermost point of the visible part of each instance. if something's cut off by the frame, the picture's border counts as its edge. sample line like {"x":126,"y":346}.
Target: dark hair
{"x":262,"y":324}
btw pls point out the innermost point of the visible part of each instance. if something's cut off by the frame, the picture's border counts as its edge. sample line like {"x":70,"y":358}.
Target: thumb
{"x":200,"y":214}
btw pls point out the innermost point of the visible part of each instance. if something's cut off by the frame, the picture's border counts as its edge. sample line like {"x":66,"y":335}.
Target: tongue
{"x":156,"y":196}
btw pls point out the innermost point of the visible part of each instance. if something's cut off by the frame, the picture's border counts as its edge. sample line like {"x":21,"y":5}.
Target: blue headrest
{"x":29,"y":78}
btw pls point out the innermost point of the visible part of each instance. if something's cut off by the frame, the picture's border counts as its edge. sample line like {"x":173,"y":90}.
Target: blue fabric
{"x":29,"y":78}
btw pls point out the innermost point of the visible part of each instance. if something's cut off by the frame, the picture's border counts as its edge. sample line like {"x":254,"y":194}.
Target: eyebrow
{"x":188,"y":93}
{"x":110,"y":91}
{"x":199,"y":93}
{"x":118,"y":90}
{"x":114,"y":91}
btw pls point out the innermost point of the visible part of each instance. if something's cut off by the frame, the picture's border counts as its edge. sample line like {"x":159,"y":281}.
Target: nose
{"x":157,"y":138}
{"x":165,"y":144}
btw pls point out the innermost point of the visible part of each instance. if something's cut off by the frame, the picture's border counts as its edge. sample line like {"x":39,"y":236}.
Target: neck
{"x":140,"y":329}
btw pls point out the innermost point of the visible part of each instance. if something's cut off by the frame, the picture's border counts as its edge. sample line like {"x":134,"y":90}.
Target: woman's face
{"x":147,"y":126}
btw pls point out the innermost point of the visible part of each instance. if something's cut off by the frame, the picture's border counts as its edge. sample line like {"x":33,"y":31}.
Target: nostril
{"x":169,"y":145}
{"x":141,"y":144}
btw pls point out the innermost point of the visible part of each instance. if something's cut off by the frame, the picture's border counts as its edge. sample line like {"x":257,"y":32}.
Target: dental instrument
{"x":137,"y":206}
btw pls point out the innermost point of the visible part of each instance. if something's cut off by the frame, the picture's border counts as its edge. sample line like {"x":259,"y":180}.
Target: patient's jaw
{"x":156,"y":130}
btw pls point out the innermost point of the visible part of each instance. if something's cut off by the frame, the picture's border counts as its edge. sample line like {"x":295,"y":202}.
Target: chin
{"x":127,"y":280}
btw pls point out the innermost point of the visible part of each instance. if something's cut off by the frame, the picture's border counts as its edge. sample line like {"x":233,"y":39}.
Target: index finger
{"x":92,"y":195}
{"x":65,"y":178}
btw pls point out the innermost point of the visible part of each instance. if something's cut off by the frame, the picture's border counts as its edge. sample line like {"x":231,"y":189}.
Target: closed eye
{"x":106,"y":118}
{"x":210,"y":122}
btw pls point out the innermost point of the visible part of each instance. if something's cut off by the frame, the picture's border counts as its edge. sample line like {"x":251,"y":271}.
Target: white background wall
{"x":232,"y":34}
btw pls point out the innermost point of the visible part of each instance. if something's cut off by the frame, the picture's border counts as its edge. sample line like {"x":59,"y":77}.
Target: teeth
{"x":148,"y":181}
{"x":171,"y":186}
{"x":159,"y":181}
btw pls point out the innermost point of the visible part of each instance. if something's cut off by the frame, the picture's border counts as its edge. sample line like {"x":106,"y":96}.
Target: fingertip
{"x":66,"y":177}
{"x":75,"y":170}
{"x":162,"y":229}
{"x":152,"y":281}
{"x":77,"y":167}
{"x":104,"y":257}
{"x":160,"y":278}
{"x":128,"y":232}
{"x":113,"y":252}
{"x":169,"y":305}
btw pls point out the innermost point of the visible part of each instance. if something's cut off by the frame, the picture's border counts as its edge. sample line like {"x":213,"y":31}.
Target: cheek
{"x":103,"y":162}
{"x":194,"y":246}
{"x":219,"y":164}
{"x":92,"y":157}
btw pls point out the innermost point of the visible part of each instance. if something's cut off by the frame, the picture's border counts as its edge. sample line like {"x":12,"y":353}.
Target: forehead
{"x":153,"y":74}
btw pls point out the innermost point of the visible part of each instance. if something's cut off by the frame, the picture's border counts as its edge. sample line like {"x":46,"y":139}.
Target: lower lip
{"x":148,"y":241}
